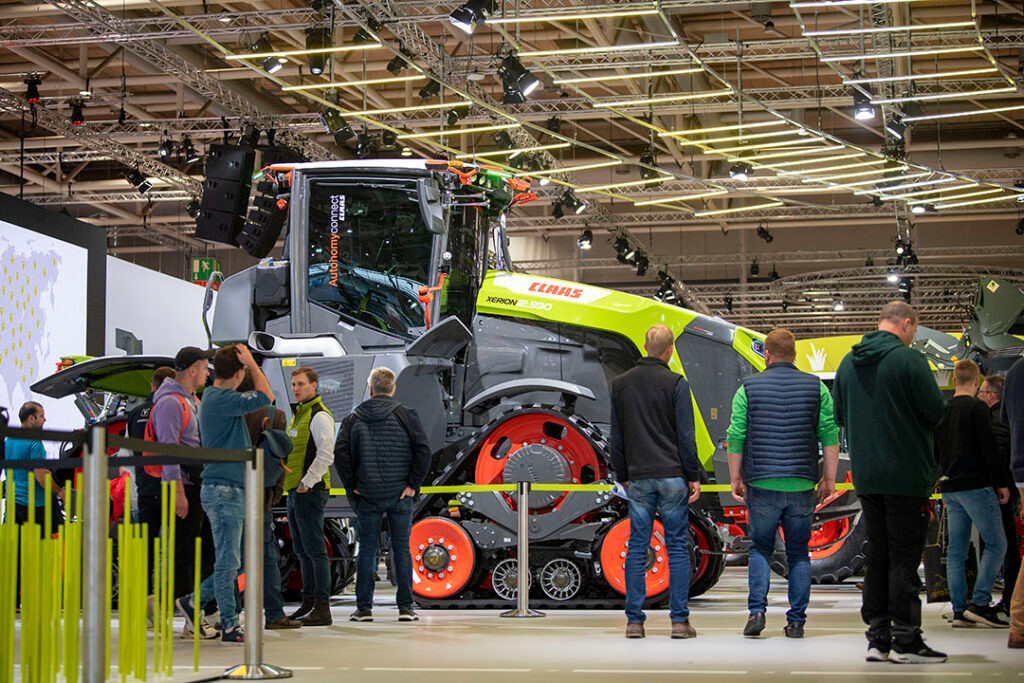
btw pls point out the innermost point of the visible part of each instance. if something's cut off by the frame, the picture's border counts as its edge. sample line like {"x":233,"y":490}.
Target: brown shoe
{"x":682,"y":629}
{"x":320,"y":615}
{"x":282,"y":624}
{"x":1015,"y":641}
{"x":634,"y":629}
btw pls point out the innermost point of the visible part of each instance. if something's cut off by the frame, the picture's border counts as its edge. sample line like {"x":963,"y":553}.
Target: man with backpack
{"x":175,"y":419}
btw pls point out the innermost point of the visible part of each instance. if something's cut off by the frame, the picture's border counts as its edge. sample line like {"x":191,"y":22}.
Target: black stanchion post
{"x":522,"y":609}
{"x":254,"y":668}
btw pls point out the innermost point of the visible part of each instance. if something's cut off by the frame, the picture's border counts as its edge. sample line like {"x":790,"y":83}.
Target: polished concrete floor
{"x":580,"y":645}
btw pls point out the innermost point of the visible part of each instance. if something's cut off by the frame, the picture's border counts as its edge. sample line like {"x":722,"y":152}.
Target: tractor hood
{"x":121,"y":375}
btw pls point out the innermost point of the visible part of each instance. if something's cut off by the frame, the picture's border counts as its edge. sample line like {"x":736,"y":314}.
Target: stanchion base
{"x":260,"y":672}
{"x":527,"y":614}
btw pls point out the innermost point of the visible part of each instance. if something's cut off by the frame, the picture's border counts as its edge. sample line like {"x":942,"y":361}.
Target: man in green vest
{"x":307,"y":483}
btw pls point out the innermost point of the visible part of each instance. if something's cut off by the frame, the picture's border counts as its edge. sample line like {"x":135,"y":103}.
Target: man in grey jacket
{"x":382,"y":455}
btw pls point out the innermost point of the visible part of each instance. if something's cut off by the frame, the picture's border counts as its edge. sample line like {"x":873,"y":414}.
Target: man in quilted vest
{"x":382,"y":455}
{"x":779,"y":417}
{"x":307,"y":482}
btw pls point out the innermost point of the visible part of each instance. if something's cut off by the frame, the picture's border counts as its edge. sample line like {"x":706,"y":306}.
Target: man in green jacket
{"x":889,"y":403}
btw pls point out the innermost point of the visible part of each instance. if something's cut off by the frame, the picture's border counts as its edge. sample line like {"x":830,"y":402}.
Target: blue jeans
{"x":369,"y":515}
{"x":273,"y":600}
{"x":981,"y":507}
{"x":669,"y":498}
{"x":306,"y":521}
{"x":766,"y":510}
{"x":225,"y":508}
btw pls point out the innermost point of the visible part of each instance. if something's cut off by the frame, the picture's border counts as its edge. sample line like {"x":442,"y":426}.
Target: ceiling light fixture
{"x":166,"y":148}
{"x":753,"y":207}
{"x":581,"y":16}
{"x":595,"y":50}
{"x":663,"y":99}
{"x":838,"y":306}
{"x":623,"y":77}
{"x":514,"y":151}
{"x":840,"y":167}
{"x":352,"y":84}
{"x":944,"y":96}
{"x":138,"y":181}
{"x":517,"y":81}
{"x":976,"y":201}
{"x":682,"y":198}
{"x":962,"y":195}
{"x":862,"y":106}
{"x":468,"y":16}
{"x":336,"y":125}
{"x":457,"y":131}
{"x":189,"y":152}
{"x":418,"y":107}
{"x":363,"y":36}
{"x":875,"y":181}
{"x":32,"y":84}
{"x":77,"y":113}
{"x":919,"y":77}
{"x":741,"y":171}
{"x":300,"y":53}
{"x":585,"y":240}
{"x":895,"y":55}
{"x":642,"y":263}
{"x":787,"y":164}
{"x":859,"y":174}
{"x":757,"y":159}
{"x":969,"y":112}
{"x":571,"y":169}
{"x":889,"y":29}
{"x":429,"y":90}
{"x":896,"y":128}
{"x":629,"y":183}
{"x":718,"y":129}
{"x":889,"y":197}
{"x":733,"y":138}
{"x":764,"y":234}
{"x":770,"y":145}
{"x":318,"y":38}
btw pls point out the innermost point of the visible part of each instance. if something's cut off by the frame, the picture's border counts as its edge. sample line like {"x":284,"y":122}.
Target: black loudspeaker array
{"x":225,"y":193}
{"x":266,"y":218}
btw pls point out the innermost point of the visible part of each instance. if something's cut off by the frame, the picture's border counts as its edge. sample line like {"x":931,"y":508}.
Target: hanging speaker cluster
{"x":225,"y":193}
{"x":266,"y":218}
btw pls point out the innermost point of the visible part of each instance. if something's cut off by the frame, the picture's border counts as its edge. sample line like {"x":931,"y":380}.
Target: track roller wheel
{"x":613,"y":558}
{"x":443,"y":557}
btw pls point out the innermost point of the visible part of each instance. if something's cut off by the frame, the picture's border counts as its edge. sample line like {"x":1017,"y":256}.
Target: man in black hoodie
{"x":971,"y":469}
{"x":886,"y":398}
{"x":382,"y":455}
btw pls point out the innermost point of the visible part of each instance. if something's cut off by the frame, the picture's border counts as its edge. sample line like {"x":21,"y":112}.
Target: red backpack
{"x":150,"y":435}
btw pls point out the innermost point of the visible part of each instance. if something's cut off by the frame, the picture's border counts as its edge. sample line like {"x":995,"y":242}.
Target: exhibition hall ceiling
{"x":805,"y":137}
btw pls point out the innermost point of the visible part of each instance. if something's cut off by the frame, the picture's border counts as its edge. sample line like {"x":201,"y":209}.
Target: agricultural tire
{"x":836,"y":566}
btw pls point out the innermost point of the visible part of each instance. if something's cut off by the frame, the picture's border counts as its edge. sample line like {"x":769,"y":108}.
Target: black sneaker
{"x":755,"y":624}
{"x":408,"y":614}
{"x":234,"y":635}
{"x":187,"y":609}
{"x":915,"y":653}
{"x":361,"y":615}
{"x":794,"y":630}
{"x":878,"y":650}
{"x":961,"y":621}
{"x":1003,"y":607}
{"x":985,"y":615}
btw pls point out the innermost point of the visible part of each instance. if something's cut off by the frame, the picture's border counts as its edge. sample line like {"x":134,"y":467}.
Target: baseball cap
{"x":189,"y":355}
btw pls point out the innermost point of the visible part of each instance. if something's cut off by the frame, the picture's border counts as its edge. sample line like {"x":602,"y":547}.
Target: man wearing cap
{"x":175,"y":419}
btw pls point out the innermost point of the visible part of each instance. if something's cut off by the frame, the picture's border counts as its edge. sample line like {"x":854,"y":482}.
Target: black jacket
{"x":968,"y":456}
{"x":1001,"y":431}
{"x":135,"y":422}
{"x":381,"y":449}
{"x":653,"y":435}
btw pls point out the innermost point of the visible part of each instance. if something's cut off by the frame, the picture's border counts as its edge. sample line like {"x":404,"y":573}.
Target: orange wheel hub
{"x":613,"y":558}
{"x":443,"y":557}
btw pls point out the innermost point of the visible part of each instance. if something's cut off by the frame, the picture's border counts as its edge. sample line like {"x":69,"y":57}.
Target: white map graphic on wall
{"x":42,"y":317}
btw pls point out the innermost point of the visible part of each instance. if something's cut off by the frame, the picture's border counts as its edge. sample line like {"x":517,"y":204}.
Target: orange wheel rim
{"x":443,"y":557}
{"x":613,"y":558}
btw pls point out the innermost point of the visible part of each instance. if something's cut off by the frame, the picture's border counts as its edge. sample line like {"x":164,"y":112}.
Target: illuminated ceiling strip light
{"x":681,"y":198}
{"x":299,"y":53}
{"x":755,"y":160}
{"x":719,"y":212}
{"x":962,"y":195}
{"x":517,"y":150}
{"x":838,"y":157}
{"x":457,"y":131}
{"x":918,"y":77}
{"x":570,"y":169}
{"x":666,"y":98}
{"x":841,"y":167}
{"x":353,"y":84}
{"x":734,"y":138}
{"x":767,"y":145}
{"x":889,"y":29}
{"x":969,"y":112}
{"x":977,"y":201}
{"x":859,"y":174}
{"x":599,"y":49}
{"x":418,"y":107}
{"x":873,"y":181}
{"x":631,"y":183}
{"x":573,"y":17}
{"x":920,"y":193}
{"x":719,"y":129}
{"x":623,"y":77}
{"x":908,"y":186}
{"x":843,"y":3}
{"x":909,"y":53}
{"x":944,"y":96}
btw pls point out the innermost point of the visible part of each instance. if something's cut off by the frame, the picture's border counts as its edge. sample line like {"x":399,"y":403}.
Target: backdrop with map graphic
{"x":42,"y":317}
